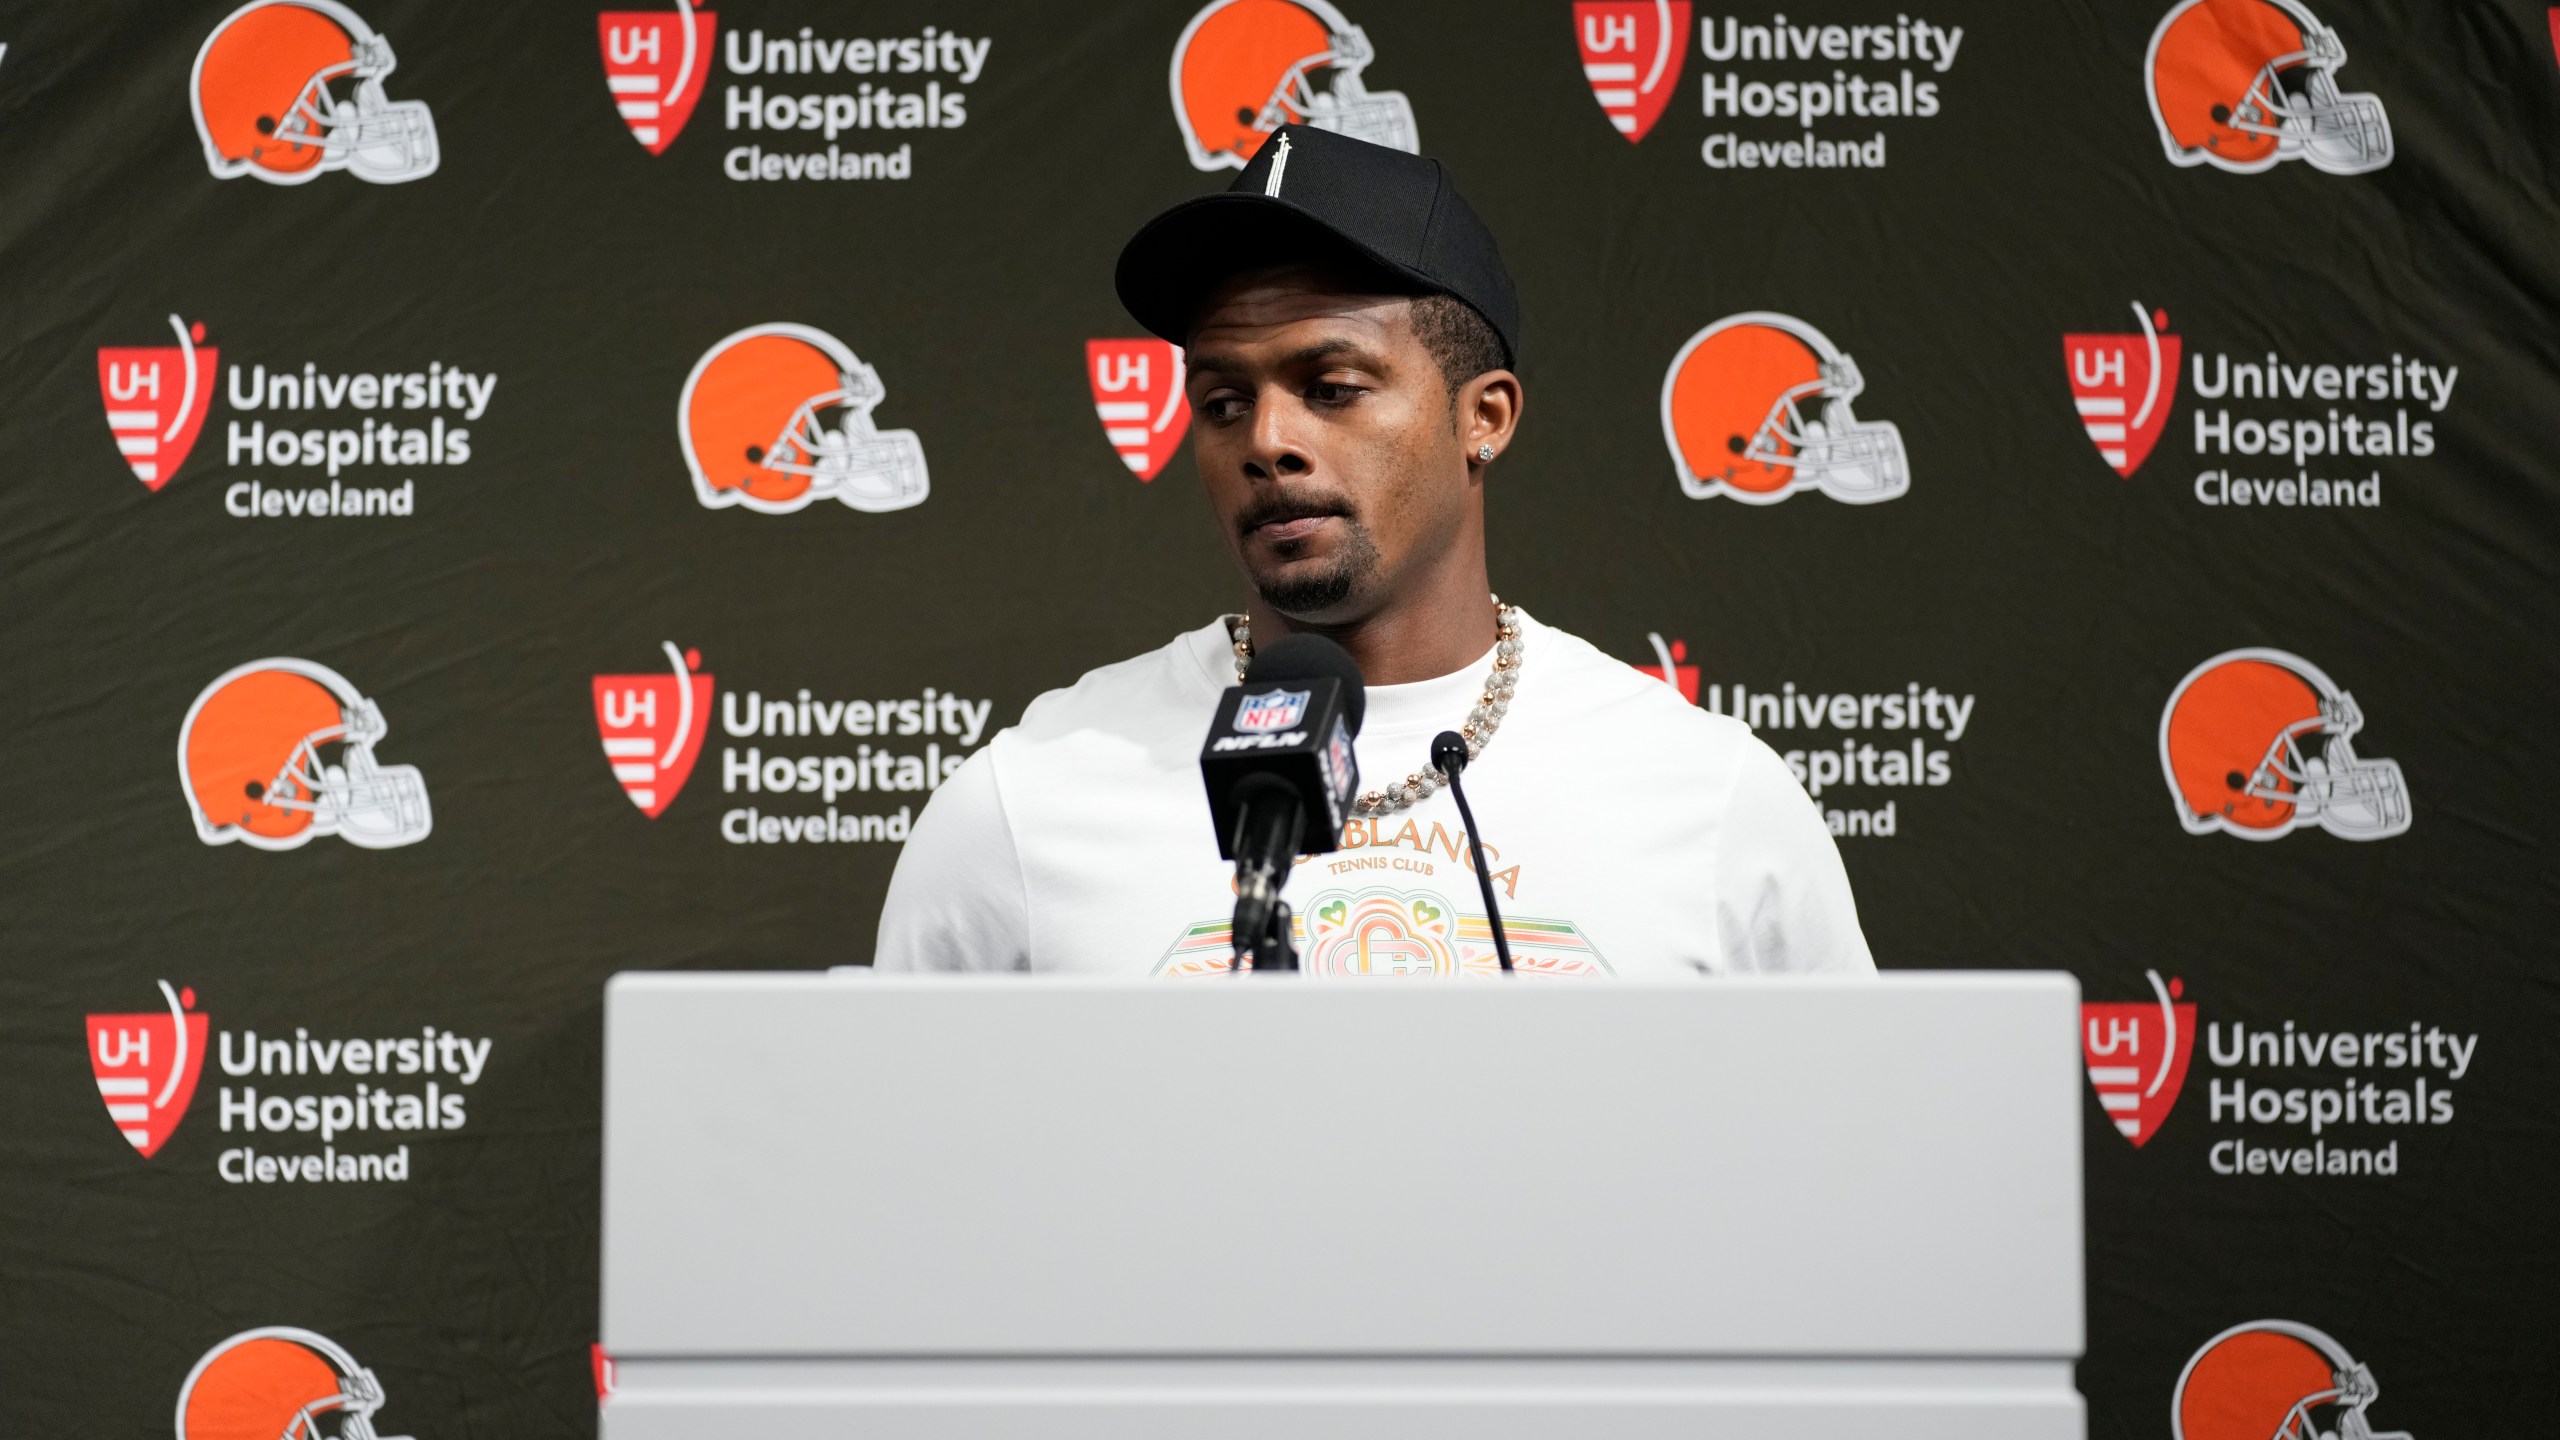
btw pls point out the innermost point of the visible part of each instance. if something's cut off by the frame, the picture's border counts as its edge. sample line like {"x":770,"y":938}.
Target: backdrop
{"x":2107,"y":448}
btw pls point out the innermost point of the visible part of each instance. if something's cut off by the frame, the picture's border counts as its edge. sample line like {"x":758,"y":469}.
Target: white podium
{"x":899,"y":1207}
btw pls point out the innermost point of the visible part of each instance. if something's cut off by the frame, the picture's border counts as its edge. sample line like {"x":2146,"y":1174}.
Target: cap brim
{"x":1169,"y":267}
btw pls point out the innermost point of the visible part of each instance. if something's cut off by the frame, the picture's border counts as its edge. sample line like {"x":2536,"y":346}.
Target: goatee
{"x":1312,"y":590}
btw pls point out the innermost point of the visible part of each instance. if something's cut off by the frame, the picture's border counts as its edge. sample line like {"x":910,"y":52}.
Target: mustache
{"x":1277,"y":509}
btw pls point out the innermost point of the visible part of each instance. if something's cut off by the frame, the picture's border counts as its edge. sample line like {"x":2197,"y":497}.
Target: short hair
{"x":1460,"y":340}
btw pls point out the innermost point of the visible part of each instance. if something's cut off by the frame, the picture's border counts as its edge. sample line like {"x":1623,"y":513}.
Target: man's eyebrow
{"x":1212,"y":361}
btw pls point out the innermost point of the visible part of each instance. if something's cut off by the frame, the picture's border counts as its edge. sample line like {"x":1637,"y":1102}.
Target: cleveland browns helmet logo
{"x":279,"y":1383}
{"x":1244,"y":68}
{"x":1756,"y":406}
{"x":755,"y":422}
{"x":2244,"y":84}
{"x":2265,"y":1379}
{"x":2256,"y":742}
{"x":255,"y":759}
{"x":288,"y":90}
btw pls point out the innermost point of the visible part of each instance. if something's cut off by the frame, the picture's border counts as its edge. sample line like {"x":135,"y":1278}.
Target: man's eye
{"x":1222,"y":408}
{"x":1328,"y":392}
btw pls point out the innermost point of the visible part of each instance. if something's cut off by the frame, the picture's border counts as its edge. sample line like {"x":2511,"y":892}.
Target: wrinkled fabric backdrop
{"x":2084,"y":349}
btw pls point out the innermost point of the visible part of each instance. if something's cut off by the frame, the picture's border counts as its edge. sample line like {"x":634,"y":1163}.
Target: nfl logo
{"x":1271,"y":710}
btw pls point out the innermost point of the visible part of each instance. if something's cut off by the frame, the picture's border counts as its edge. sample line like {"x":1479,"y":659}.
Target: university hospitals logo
{"x":2123,"y":386}
{"x":2257,"y":742}
{"x":2243,"y":85}
{"x":2274,"y":1378}
{"x":777,"y":416}
{"x":1271,"y":710}
{"x":276,"y":753}
{"x":289,"y":90}
{"x":1756,"y":406}
{"x":1244,"y":68}
{"x":279,"y":1381}
{"x":1673,"y":668}
{"x":654,"y":64}
{"x":2137,"y":1055}
{"x":1632,"y":54}
{"x":1137,"y":390}
{"x":652,"y":727}
{"x":146,"y":1066}
{"x":156,"y":398}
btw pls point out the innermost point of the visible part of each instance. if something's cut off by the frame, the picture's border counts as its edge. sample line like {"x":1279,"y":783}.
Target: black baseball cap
{"x":1311,"y":194}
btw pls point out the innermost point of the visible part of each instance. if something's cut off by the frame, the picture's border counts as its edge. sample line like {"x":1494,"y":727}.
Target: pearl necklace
{"x":1478,"y":729}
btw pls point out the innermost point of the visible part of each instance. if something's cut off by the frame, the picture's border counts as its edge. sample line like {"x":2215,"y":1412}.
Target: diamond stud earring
{"x":1484,"y":454}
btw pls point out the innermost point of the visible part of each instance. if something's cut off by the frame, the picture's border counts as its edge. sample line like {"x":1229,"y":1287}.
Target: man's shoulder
{"x":1166,"y":685}
{"x":1636,"y":707}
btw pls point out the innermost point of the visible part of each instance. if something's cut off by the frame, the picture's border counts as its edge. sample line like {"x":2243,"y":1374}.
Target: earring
{"x":1484,"y":454}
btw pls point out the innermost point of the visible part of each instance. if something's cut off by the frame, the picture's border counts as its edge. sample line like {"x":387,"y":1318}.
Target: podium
{"x":896,"y":1207}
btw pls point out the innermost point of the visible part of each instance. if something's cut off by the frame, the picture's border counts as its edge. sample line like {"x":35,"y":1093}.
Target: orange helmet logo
{"x":2263,"y":1380}
{"x":2245,"y":84}
{"x":279,"y":1383}
{"x":2256,"y":742}
{"x":755,"y":421}
{"x":1244,"y":68}
{"x":256,"y":759}
{"x":1756,"y":406}
{"x":288,"y":90}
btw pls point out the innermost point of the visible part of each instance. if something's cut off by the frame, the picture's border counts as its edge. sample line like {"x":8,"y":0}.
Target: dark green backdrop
{"x":588,"y":275}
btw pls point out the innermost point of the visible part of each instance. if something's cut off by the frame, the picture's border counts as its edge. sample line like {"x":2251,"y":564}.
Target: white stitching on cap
{"x":1279,"y":166}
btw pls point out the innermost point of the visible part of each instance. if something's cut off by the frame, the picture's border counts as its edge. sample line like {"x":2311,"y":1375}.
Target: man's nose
{"x":1273,"y":450}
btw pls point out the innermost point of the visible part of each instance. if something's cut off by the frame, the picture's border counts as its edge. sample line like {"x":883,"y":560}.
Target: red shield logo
{"x":156,"y":398}
{"x":2137,"y":1056}
{"x":1632,"y":54}
{"x":1671,"y":668}
{"x":654,"y":61}
{"x":1137,"y":390}
{"x":652,"y":726}
{"x":146,"y":1067}
{"x":2123,"y":387}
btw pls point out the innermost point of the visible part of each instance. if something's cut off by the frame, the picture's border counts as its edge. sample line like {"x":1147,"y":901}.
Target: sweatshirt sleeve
{"x":1782,"y":896}
{"x":956,"y":899}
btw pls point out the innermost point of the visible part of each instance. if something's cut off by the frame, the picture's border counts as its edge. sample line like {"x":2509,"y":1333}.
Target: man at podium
{"x":1350,"y":333}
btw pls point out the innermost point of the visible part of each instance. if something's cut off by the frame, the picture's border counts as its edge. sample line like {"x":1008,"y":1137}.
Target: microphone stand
{"x":1449,"y":756}
{"x":1268,"y":824}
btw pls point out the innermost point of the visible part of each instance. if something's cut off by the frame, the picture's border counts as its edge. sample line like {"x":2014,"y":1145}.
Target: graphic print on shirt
{"x":1394,"y":933}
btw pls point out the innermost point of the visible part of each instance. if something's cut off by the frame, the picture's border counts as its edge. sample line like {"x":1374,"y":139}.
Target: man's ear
{"x":1488,"y":412}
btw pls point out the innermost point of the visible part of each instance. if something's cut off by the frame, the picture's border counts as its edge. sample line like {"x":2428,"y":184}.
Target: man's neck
{"x":1443,"y":629}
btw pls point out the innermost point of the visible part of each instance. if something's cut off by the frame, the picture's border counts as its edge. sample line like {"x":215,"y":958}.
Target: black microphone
{"x":1449,"y":756}
{"x":1280,"y":772}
